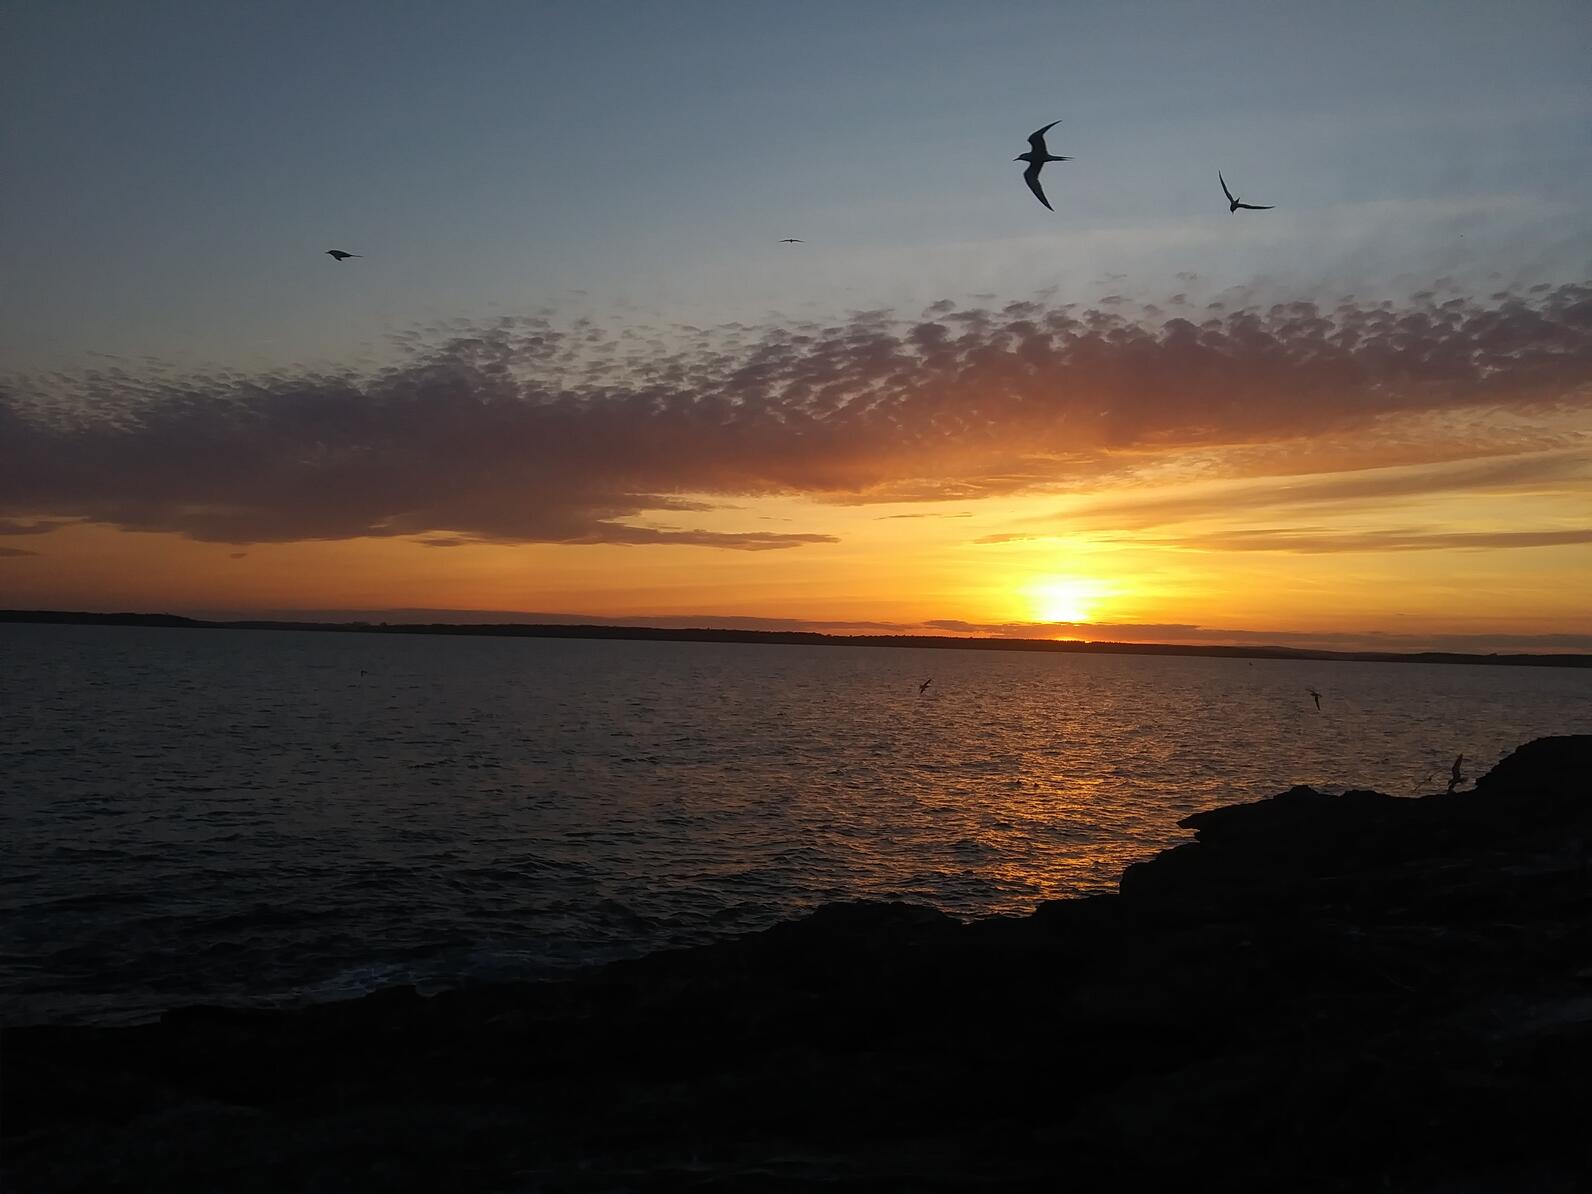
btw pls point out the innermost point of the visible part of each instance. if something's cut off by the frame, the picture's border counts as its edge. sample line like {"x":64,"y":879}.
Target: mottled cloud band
{"x":523,"y":431}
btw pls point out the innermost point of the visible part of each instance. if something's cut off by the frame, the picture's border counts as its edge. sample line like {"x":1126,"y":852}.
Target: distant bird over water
{"x":1317,"y":696}
{"x":1233,"y":204}
{"x":793,"y":240}
{"x":339,"y":255}
{"x":1036,"y":159}
{"x":924,"y":687}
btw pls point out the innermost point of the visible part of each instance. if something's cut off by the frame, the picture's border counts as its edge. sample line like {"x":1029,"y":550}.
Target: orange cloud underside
{"x":1043,"y":559}
{"x":1419,"y":468}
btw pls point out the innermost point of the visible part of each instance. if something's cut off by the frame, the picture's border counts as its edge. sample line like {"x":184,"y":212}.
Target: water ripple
{"x":241,"y":817}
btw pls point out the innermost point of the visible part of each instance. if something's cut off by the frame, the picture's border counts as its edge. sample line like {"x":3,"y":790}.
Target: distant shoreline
{"x":796,"y":638}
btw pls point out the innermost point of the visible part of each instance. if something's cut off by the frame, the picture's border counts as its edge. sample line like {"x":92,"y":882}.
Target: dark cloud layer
{"x":525,"y":432}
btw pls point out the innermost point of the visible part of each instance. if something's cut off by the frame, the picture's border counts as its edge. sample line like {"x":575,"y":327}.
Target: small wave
{"x":345,"y":843}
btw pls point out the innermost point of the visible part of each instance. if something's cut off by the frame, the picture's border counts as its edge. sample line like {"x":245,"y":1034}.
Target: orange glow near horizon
{"x":1065,"y":599}
{"x":1001,"y":470}
{"x":1013,"y":564}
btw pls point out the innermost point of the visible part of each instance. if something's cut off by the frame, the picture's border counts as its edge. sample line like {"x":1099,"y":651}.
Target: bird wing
{"x":1037,"y":140}
{"x":1257,"y":206}
{"x":1031,"y":177}
{"x":1225,"y":191}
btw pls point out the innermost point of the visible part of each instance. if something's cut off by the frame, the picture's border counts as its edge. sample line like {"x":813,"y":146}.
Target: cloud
{"x":1312,"y":540}
{"x":38,"y":527}
{"x":737,"y":541}
{"x":236,"y":555}
{"x":519,"y":431}
{"x":1008,"y":538}
{"x":14,"y":553}
{"x":1514,"y":473}
{"x":447,"y":541}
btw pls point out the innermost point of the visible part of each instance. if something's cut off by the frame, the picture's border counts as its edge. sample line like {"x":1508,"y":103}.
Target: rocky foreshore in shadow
{"x":1355,"y":992}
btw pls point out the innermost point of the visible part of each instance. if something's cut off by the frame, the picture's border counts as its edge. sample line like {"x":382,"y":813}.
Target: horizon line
{"x":776,"y":637}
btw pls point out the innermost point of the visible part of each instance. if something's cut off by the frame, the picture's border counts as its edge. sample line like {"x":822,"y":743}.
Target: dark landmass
{"x":796,"y":637}
{"x":1321,"y":993}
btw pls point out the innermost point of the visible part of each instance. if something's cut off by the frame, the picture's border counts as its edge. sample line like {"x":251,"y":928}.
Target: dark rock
{"x":1318,"y":993}
{"x":1559,"y":766}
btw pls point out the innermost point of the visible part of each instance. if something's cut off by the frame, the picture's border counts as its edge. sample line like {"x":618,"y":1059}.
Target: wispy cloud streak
{"x":1550,"y":471}
{"x":1310,"y":540}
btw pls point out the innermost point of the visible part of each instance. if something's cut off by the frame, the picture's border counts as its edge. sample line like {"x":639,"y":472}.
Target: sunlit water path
{"x":234,"y":816}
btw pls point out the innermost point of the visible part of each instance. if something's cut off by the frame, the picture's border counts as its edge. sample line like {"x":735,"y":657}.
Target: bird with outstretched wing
{"x":1233,"y":204}
{"x":1036,"y":158}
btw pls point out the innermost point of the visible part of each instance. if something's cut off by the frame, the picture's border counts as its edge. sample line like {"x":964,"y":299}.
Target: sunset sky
{"x":575,"y":373}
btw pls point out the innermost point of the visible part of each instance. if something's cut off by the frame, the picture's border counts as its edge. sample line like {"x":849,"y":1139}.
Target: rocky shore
{"x":1344,"y":993}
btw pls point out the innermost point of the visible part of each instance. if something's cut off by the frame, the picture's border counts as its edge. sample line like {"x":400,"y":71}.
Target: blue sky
{"x":175,"y":170}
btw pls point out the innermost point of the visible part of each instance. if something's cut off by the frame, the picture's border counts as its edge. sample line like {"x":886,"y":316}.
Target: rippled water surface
{"x":237,"y":816}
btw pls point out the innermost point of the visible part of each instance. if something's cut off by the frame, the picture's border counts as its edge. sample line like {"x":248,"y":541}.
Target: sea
{"x":269,"y":818}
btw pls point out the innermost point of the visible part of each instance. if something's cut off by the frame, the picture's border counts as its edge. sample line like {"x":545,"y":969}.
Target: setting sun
{"x":1067,"y":599}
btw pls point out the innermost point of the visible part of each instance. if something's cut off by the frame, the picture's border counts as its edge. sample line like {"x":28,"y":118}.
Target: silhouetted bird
{"x":1317,"y":695}
{"x":924,"y":687}
{"x":1036,"y":158}
{"x":1453,"y":776}
{"x":793,"y":240}
{"x":339,"y":255}
{"x":1233,"y":204}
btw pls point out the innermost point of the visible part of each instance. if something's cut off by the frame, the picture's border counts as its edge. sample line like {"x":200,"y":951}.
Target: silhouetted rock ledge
{"x":1354,"y":992}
